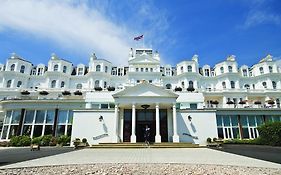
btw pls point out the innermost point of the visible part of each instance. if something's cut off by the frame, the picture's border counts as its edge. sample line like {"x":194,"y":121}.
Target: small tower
{"x":54,"y":56}
{"x":93,"y":57}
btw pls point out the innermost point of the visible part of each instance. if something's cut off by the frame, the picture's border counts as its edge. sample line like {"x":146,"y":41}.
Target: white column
{"x":157,"y":136}
{"x":133,"y":136}
{"x":115,"y":137}
{"x":175,"y":127}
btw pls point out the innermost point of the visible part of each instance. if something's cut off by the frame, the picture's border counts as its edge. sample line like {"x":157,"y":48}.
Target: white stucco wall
{"x":86,"y":124}
{"x":203,"y":125}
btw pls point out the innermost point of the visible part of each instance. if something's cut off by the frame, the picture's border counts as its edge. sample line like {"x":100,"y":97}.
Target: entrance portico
{"x":136,"y":117}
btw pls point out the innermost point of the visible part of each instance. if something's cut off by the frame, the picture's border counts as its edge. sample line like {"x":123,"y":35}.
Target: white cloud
{"x":73,"y":26}
{"x":259,"y":17}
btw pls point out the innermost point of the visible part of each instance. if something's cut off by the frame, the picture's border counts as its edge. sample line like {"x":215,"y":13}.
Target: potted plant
{"x":43,"y":93}
{"x":98,"y":89}
{"x":77,"y":93}
{"x":271,"y":102}
{"x":84,"y":142}
{"x":215,"y":102}
{"x":242,"y":102}
{"x":111,"y":88}
{"x":178,"y":89}
{"x":25,"y":92}
{"x":257,"y":102}
{"x":66,"y":93}
{"x":230,"y":102}
{"x":190,"y":89}
{"x":76,"y":142}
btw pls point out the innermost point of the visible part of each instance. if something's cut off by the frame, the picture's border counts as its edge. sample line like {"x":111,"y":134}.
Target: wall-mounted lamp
{"x":189,"y":118}
{"x":101,"y":118}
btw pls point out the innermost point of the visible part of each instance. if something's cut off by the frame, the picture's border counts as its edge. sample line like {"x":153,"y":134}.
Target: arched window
{"x":245,"y":73}
{"x":9,"y":82}
{"x":246,"y":86}
{"x":40,"y":71}
{"x":64,"y":69}
{"x":62,"y":84}
{"x":230,"y":69}
{"x":12,"y":68}
{"x":182,"y":84}
{"x":261,"y":70}
{"x":53,"y":84}
{"x":223,"y":85}
{"x":264,"y":85}
{"x":79,"y":86}
{"x":207,"y":72}
{"x":189,"y":68}
{"x":19,"y":83}
{"x":105,"y":69}
{"x":22,"y":68}
{"x":190,"y":84}
{"x":222,"y":70}
{"x":56,"y":68}
{"x":97,"y":83}
{"x":80,"y":71}
{"x":168,"y":86}
{"x":270,"y":69}
{"x":273,"y":84}
{"x":182,"y":69}
{"x":232,"y":84}
{"x":98,"y":68}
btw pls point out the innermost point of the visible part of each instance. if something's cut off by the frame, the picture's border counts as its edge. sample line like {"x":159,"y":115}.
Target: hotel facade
{"x":109,"y":104}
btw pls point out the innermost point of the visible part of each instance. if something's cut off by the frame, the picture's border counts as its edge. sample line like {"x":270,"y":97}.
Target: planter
{"x":25,"y":93}
{"x":66,"y":93}
{"x":190,"y":89}
{"x":271,"y":102}
{"x":257,"y":102}
{"x":178,"y":89}
{"x":242,"y":102}
{"x":215,"y":102}
{"x":111,"y":88}
{"x":78,"y":93}
{"x":230,"y":102}
{"x":98,"y":89}
{"x":43,"y":93}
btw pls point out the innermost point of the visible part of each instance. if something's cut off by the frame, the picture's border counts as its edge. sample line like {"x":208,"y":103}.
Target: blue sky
{"x":248,"y":29}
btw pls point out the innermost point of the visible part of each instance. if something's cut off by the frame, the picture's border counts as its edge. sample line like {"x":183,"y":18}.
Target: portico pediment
{"x":145,"y":90}
{"x":144,"y":58}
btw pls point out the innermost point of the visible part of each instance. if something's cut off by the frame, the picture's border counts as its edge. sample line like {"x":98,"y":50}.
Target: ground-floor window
{"x":228,"y":127}
{"x":35,"y":123}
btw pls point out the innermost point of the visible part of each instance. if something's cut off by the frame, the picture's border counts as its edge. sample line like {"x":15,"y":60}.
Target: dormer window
{"x":232,"y":84}
{"x":189,"y":68}
{"x":40,"y":71}
{"x":80,"y":71}
{"x":97,"y":83}
{"x":98,"y":68}
{"x":261,"y":70}
{"x":9,"y":82}
{"x":62,"y":84}
{"x":56,"y":68}
{"x":222,"y":70}
{"x":245,"y":72}
{"x":64,"y":69}
{"x":270,"y":69}
{"x":207,"y":72}
{"x":22,"y":68}
{"x":230,"y":69}
{"x":182,"y":69}
{"x":19,"y":84}
{"x":223,"y":85}
{"x":12,"y":68}
{"x":264,"y":85}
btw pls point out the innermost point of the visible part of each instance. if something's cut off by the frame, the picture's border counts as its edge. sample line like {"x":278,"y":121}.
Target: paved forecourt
{"x":148,"y":155}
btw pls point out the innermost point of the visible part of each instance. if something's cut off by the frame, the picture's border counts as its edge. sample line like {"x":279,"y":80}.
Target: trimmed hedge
{"x":270,"y":133}
{"x":64,"y":140}
{"x":20,"y":141}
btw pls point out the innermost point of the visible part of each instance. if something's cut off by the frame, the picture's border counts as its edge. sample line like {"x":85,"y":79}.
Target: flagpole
{"x":143,"y":42}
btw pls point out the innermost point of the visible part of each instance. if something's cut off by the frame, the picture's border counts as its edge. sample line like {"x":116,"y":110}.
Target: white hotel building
{"x":109,"y":104}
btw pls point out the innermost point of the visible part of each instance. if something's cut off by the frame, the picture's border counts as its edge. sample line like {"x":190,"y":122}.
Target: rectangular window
{"x":251,"y":120}
{"x":29,"y":115}
{"x":16,"y":116}
{"x":69,"y":129}
{"x":235,"y":133}
{"x":243,"y":120}
{"x":219,"y":120}
{"x":104,"y":106}
{"x":70,"y":117}
{"x":245,"y":133}
{"x":48,"y":130}
{"x":62,"y":116}
{"x":226,"y":121}
{"x":60,"y":130}
{"x":40,"y":115}
{"x":259,"y":119}
{"x":220,"y":133}
{"x":13,"y":130}
{"x":193,"y":106}
{"x":234,"y":120}
{"x":5,"y":131}
{"x":50,"y":117}
{"x":37,"y":130}
{"x":8,"y":117}
{"x":26,"y":130}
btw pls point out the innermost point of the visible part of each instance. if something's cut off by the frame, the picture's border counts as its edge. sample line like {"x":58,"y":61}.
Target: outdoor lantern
{"x":101,"y":118}
{"x":189,"y":118}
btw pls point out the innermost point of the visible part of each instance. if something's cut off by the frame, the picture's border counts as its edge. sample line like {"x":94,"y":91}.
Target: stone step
{"x":142,"y":145}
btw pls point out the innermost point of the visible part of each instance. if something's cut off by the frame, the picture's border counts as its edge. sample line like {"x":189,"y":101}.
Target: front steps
{"x":143,"y":145}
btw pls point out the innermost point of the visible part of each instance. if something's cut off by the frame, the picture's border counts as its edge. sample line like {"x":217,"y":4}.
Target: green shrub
{"x":20,"y":141}
{"x":209,"y":140}
{"x":84,"y":140}
{"x":46,"y":139}
{"x":37,"y":140}
{"x":64,"y":140}
{"x":53,"y":141}
{"x":270,"y":133}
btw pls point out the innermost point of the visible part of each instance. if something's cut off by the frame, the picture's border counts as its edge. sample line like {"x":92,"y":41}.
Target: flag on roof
{"x":138,"y":37}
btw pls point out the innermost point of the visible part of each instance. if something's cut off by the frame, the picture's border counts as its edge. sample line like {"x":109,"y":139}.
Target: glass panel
{"x":16,"y":116}
{"x":193,"y":106}
{"x":220,"y":133}
{"x":29,"y":117}
{"x":48,"y":130}
{"x":50,"y":116}
{"x":276,"y":118}
{"x":62,"y":116}
{"x":13,"y":130}
{"x":245,"y":133}
{"x":70,"y":117}
{"x":60,"y":130}
{"x":37,"y":130}
{"x":104,"y":106}
{"x":40,"y":115}
{"x":244,"y":121}
{"x":219,"y":120}
{"x":234,"y":120}
{"x":252,"y":120}
{"x":26,"y":130}
{"x":111,"y":105}
{"x":69,"y":129}
{"x":226,"y":121}
{"x":5,"y":131}
{"x":8,"y":116}
{"x":259,"y":119}
{"x":235,"y":133}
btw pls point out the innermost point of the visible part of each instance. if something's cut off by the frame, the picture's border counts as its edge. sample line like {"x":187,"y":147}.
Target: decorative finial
{"x":14,"y":55}
{"x":195,"y":58}
{"x":54,"y":56}
{"x":93,"y":57}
